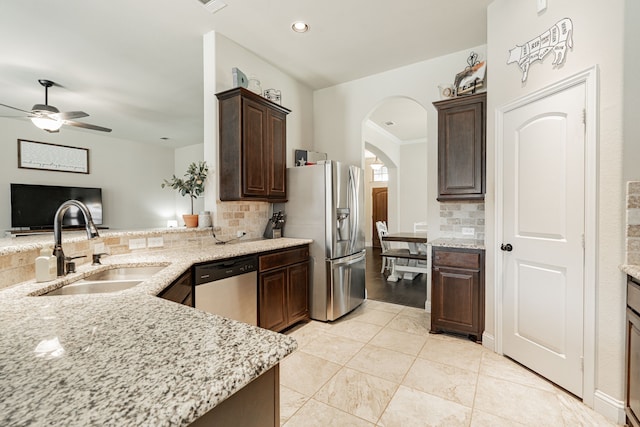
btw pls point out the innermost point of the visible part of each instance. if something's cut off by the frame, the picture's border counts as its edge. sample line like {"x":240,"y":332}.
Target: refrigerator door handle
{"x":353,"y":201}
{"x":353,"y":259}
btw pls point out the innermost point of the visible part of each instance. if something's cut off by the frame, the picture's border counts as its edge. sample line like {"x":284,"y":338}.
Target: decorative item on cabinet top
{"x":239,"y":78}
{"x":305,"y":157}
{"x":273,"y":95}
{"x":469,"y":80}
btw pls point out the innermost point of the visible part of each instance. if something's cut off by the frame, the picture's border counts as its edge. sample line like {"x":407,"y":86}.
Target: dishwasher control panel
{"x":218,"y":270}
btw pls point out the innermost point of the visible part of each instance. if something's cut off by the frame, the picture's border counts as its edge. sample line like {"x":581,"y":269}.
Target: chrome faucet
{"x":92,"y":231}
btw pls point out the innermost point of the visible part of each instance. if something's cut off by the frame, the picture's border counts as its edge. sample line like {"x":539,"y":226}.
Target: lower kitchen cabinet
{"x":181,"y":290}
{"x":632,"y":354}
{"x":283,"y":288}
{"x":457,"y":291}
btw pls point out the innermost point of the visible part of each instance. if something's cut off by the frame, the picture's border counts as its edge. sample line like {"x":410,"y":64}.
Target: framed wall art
{"x":52,"y":157}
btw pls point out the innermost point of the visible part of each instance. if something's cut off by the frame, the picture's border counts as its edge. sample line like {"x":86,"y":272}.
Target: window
{"x":380,"y":174}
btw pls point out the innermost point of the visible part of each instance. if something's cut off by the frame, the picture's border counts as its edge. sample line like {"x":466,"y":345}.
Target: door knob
{"x":506,"y":247}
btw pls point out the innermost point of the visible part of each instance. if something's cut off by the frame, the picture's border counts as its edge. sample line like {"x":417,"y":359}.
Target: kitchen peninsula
{"x":129,"y":357}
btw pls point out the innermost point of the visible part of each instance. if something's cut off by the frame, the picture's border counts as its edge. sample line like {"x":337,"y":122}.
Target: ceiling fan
{"x":49,"y":118}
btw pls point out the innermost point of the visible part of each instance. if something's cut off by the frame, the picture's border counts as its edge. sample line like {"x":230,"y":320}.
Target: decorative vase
{"x":190,"y":221}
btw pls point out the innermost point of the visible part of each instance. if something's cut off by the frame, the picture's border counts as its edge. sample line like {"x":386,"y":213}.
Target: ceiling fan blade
{"x":17,"y":109}
{"x":69,"y":115}
{"x":86,"y":126}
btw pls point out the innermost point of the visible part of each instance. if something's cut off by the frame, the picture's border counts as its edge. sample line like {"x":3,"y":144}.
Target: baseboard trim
{"x":488,"y":341}
{"x":609,"y":407}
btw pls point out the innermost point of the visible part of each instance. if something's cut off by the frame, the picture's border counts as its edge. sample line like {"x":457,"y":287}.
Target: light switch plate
{"x":137,"y":243}
{"x":468,"y":231}
{"x":155,"y":242}
{"x":542,"y":5}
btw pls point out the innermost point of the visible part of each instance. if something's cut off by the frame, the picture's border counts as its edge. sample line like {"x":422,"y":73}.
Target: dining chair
{"x":421,"y":227}
{"x":387,"y":262}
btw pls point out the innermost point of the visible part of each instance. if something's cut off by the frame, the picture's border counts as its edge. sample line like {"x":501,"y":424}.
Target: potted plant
{"x":192,"y":185}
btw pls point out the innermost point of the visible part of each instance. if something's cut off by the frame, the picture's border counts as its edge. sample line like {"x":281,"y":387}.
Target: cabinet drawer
{"x":283,"y":258}
{"x":456,"y":259}
{"x":633,"y":295}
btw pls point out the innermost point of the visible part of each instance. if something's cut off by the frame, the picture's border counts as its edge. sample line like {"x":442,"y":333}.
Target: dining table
{"x":417,"y":258}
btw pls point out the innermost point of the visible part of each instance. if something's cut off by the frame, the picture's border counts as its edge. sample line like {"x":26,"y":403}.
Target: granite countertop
{"x":631,"y":270}
{"x":128,"y":357}
{"x":452,"y":242}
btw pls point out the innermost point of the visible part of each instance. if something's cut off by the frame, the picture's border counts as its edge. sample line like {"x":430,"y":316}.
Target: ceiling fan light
{"x":46,"y":123}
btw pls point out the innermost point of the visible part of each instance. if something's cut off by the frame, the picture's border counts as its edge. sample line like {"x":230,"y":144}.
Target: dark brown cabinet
{"x":457,"y":291}
{"x":461,"y":147}
{"x":283,"y":288}
{"x":181,"y":290}
{"x":253,"y":143}
{"x":632,"y":354}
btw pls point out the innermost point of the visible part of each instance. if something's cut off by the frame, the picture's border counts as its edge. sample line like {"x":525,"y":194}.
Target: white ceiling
{"x":403,"y":118}
{"x":136,"y":66}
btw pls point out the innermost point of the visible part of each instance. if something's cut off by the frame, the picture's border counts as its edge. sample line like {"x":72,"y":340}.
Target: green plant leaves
{"x":193,"y":182}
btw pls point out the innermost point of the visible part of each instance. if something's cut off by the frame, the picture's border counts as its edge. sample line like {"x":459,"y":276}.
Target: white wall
{"x":128,"y":172}
{"x":340,"y":110}
{"x":414,"y":174}
{"x":598,"y":40}
{"x":220,"y":56}
{"x":631,"y":91}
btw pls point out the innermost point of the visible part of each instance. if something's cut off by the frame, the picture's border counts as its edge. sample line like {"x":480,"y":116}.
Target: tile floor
{"x":379,"y":366}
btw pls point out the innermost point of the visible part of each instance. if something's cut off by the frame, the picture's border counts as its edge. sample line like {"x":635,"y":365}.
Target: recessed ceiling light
{"x":390,"y":123}
{"x":164,"y":138}
{"x":300,"y":27}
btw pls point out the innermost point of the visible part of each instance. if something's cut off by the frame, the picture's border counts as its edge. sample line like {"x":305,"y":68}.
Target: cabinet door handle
{"x":507,"y":247}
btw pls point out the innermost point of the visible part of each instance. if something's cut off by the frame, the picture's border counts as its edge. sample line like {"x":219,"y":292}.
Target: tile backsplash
{"x":17,"y":258}
{"x":250,"y":217}
{"x":633,"y":223}
{"x":458,"y":219}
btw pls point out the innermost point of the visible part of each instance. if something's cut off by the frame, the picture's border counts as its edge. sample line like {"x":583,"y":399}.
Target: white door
{"x":544,"y":222}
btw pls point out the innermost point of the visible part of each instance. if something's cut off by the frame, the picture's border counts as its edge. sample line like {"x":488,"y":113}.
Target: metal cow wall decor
{"x":555,"y":39}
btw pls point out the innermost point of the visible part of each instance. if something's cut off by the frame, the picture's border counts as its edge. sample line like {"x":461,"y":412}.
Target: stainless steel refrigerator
{"x":326,"y":204}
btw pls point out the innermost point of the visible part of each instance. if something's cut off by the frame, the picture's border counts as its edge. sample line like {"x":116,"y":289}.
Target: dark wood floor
{"x":412,"y":293}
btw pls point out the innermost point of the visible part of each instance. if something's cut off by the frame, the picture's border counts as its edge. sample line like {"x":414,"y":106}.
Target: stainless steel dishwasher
{"x":228,"y":288}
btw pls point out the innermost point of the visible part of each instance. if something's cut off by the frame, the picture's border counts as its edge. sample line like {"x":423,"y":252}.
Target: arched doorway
{"x":395,"y":133}
{"x":394,"y":136}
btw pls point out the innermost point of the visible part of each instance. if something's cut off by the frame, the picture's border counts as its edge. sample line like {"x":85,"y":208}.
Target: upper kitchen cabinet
{"x":253,"y":145}
{"x":461,"y":147}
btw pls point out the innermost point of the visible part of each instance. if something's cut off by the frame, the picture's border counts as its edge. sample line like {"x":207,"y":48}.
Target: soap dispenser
{"x":43,"y":266}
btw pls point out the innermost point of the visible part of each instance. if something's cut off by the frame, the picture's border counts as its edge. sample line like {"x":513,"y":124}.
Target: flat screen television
{"x":34,"y":206}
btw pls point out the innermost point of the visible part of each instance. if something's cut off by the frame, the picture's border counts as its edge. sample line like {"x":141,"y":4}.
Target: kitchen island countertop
{"x":128,"y":357}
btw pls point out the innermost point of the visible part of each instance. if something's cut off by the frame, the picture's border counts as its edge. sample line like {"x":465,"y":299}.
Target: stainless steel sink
{"x":126,"y":273}
{"x":94,"y":287}
{"x":113,"y":280}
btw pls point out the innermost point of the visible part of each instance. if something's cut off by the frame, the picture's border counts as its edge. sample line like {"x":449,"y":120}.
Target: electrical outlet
{"x":240,"y":233}
{"x":468,"y":231}
{"x":155,"y":242}
{"x":137,"y":243}
{"x":98,"y":248}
